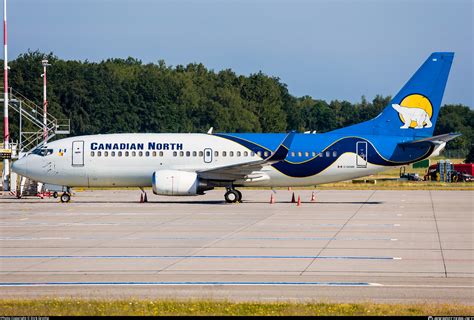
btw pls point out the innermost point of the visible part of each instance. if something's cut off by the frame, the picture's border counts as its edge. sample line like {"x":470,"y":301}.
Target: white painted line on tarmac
{"x":201,"y":238}
{"x":226,"y":283}
{"x":32,"y":239}
{"x":190,"y":283}
{"x":195,"y":257}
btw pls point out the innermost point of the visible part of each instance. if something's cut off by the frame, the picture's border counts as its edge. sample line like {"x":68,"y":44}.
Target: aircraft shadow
{"x":210,"y":202}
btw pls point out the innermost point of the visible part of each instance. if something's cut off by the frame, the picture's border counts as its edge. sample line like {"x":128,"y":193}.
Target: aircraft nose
{"x":20,"y":166}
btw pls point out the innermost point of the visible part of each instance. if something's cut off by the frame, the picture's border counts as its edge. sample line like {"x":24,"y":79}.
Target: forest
{"x":126,"y":95}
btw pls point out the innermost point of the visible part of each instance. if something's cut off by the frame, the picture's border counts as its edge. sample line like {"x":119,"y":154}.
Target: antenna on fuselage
{"x":210,"y":130}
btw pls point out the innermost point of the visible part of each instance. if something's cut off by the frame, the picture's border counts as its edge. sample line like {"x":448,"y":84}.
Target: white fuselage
{"x":129,"y":160}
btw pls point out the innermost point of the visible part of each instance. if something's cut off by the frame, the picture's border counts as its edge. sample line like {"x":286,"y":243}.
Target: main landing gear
{"x":232,"y":195}
{"x":66,"y":196}
{"x":143,"y":196}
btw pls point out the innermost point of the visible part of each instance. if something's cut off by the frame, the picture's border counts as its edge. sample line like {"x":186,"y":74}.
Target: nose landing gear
{"x":66,"y":196}
{"x":232,"y":195}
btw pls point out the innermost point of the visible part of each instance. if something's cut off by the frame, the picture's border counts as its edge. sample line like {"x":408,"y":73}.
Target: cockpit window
{"x":42,"y":152}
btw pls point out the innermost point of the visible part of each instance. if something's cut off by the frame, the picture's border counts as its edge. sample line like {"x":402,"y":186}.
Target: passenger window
{"x":216,"y":153}
{"x":208,"y":153}
{"x":99,"y":153}
{"x":181,"y":153}
{"x":292,"y":153}
{"x":140,"y":153}
{"x":328,"y":154}
{"x":119,"y":153}
{"x":246,"y":154}
{"x":265,"y":153}
{"x":112,"y":154}
{"x":238,"y":154}
{"x":134,"y":153}
{"x":201,"y":154}
{"x":92,"y":153}
{"x":300,"y":154}
{"x":106,"y":153}
{"x":127,"y":153}
{"x":252,"y":154}
{"x":320,"y":154}
{"x":334,"y":153}
{"x":175,"y":154}
{"x":231,"y":153}
{"x":306,"y":154}
{"x":259,"y":153}
{"x":314,"y":154}
{"x":194,"y":154}
{"x":161,"y":153}
{"x":188,"y":153}
{"x":224,"y":153}
{"x":147,"y":153}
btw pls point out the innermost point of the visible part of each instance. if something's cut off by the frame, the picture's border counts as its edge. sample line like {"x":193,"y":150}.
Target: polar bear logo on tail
{"x":412,"y":114}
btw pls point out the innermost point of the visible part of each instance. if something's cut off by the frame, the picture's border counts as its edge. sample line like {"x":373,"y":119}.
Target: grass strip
{"x":142,"y":307}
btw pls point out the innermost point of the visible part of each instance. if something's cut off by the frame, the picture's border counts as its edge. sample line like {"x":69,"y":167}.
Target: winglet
{"x":282,"y":150}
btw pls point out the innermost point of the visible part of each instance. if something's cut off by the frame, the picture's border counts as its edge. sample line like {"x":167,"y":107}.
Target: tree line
{"x":126,"y":95}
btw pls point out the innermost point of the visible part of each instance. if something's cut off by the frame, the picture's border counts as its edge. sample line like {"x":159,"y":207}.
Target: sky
{"x":327,"y":49}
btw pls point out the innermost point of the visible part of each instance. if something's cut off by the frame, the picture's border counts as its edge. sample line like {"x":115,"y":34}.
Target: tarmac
{"x":347,"y":246}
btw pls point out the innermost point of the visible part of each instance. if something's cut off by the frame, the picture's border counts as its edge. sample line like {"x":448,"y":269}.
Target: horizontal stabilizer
{"x":442,"y":138}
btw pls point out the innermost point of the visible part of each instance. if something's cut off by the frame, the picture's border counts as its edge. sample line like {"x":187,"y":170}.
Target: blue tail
{"x":414,"y":110}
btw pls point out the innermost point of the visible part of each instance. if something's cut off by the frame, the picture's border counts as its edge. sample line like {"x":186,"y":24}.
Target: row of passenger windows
{"x":176,"y":153}
{"x":201,"y":153}
{"x":327,"y":154}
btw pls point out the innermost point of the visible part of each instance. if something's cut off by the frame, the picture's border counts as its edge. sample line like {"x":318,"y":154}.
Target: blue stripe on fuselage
{"x":381,"y":150}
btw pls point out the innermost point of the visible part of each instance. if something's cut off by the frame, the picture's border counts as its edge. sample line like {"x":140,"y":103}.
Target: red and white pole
{"x":6,"y":133}
{"x":45,"y":102}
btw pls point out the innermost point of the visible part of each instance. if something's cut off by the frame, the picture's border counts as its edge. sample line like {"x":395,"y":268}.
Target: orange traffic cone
{"x":141,"y":198}
{"x":313,"y":197}
{"x":272,"y":199}
{"x":293,"y":198}
{"x":299,"y":201}
{"x":289,"y":188}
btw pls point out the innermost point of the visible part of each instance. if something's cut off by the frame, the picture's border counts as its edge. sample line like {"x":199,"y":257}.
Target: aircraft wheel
{"x":231,"y":196}
{"x":239,"y":194}
{"x":65,"y":197}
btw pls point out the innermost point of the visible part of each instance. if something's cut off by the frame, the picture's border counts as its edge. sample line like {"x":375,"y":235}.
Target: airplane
{"x":187,"y":164}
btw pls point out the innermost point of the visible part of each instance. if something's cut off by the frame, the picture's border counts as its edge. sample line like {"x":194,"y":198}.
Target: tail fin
{"x":414,"y":110}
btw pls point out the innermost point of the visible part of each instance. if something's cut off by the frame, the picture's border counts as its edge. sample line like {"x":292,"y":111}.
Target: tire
{"x":65,"y":197}
{"x":240,"y":195}
{"x":231,"y":196}
{"x":55,"y":194}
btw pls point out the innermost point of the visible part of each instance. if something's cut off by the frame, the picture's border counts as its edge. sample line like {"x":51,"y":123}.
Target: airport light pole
{"x":6,"y":133}
{"x":45,"y":102}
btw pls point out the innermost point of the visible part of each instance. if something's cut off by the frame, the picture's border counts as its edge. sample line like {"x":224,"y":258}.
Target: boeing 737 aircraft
{"x":189,"y":164}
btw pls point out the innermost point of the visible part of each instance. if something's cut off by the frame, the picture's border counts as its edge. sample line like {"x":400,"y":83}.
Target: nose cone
{"x":21,"y":166}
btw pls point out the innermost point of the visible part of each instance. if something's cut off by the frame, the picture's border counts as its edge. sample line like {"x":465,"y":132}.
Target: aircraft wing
{"x":442,"y":138}
{"x":248,"y":169}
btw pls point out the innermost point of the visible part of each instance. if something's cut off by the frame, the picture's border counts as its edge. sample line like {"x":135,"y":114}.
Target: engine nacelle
{"x":178,"y":183}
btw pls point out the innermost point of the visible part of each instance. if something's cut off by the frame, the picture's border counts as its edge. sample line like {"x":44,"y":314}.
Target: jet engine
{"x":178,"y":183}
